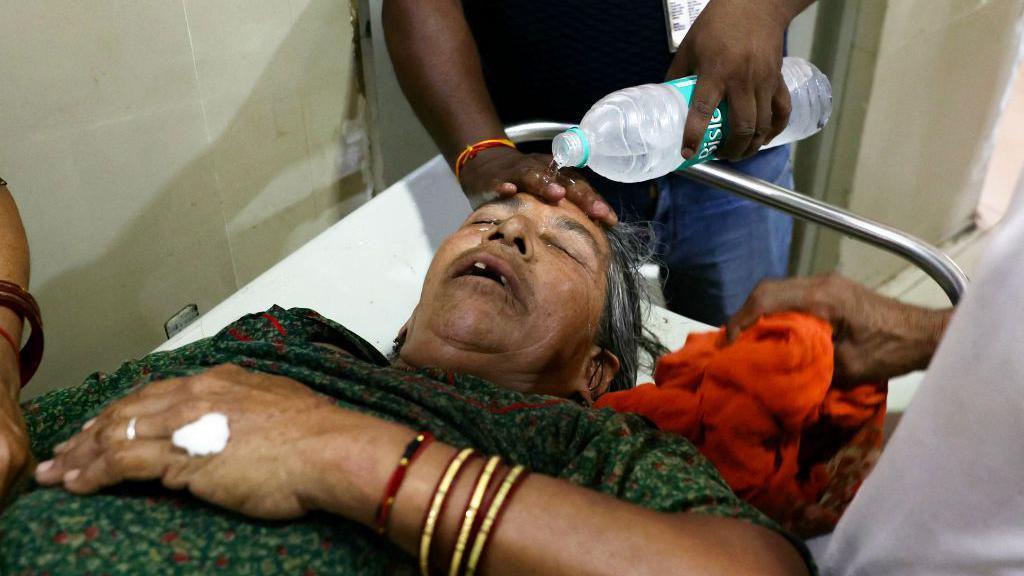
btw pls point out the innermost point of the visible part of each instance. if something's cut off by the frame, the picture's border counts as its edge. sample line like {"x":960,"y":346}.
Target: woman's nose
{"x":514,"y":233}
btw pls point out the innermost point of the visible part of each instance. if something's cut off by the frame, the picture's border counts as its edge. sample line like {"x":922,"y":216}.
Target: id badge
{"x":679,"y":16}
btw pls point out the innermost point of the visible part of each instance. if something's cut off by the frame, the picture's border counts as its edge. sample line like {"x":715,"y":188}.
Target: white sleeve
{"x":947,"y":495}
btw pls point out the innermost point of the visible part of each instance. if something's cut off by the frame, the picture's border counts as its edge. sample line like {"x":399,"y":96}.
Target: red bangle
{"x":412,"y":450}
{"x":471,"y":151}
{"x":25,"y":306}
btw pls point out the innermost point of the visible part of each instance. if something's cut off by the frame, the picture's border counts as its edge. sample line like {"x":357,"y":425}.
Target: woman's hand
{"x":876,"y":337}
{"x":735,"y":49}
{"x":498,"y":172}
{"x":280,"y":432}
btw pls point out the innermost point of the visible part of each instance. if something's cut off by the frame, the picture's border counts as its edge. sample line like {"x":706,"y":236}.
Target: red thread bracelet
{"x":471,"y":151}
{"x":412,"y":450}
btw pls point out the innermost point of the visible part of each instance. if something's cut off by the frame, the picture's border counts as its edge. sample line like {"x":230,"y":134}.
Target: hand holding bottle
{"x":735,"y":48}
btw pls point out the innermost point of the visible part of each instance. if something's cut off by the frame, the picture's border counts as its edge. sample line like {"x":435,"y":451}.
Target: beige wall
{"x":166,"y":152}
{"x":942,"y":69}
{"x":800,"y":38}
{"x":1005,"y":174}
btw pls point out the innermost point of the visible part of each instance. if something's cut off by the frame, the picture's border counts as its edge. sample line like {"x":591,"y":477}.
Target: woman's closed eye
{"x":558,"y":246}
{"x":548,"y":240}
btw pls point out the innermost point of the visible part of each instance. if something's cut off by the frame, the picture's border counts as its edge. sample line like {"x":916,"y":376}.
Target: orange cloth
{"x":764,"y":411}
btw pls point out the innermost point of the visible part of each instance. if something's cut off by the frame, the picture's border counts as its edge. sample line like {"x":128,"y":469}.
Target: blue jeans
{"x":714,"y":246}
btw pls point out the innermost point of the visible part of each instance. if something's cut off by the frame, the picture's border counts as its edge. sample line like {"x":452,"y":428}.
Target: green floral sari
{"x":138,"y":528}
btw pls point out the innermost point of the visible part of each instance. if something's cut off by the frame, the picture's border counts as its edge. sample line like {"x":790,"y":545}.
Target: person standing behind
{"x":469,"y":68}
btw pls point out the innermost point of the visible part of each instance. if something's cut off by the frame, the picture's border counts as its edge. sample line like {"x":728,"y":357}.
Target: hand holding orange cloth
{"x":764,"y":411}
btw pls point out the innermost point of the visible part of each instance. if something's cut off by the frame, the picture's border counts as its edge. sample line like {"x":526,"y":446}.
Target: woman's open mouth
{"x":481,"y":270}
{"x":484,"y":266}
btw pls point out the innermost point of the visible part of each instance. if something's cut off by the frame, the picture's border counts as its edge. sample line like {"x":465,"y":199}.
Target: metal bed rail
{"x":940,"y":267}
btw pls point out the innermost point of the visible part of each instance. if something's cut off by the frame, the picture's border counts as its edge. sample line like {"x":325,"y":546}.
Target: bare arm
{"x":552,"y":526}
{"x":438,"y":66}
{"x":14,"y":267}
{"x":876,"y":337}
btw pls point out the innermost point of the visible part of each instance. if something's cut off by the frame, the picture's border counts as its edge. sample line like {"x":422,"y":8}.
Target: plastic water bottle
{"x":636,"y":134}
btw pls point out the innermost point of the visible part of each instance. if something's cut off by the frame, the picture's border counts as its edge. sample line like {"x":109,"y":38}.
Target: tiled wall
{"x":943,"y":67}
{"x":167,"y":152}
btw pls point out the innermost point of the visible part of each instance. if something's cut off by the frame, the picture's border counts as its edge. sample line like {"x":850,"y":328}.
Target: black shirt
{"x":553,"y":59}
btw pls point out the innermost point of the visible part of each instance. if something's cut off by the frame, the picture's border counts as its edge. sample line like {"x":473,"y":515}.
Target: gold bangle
{"x":435,"y":507}
{"x":471,"y":510}
{"x":492,"y":514}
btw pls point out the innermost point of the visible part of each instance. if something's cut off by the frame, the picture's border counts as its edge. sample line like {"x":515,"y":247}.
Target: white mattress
{"x":365,"y":272}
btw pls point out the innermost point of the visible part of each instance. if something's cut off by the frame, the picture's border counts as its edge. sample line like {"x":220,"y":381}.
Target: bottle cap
{"x":571,"y":148}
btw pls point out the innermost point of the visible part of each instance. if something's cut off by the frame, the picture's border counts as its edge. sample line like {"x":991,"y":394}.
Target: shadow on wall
{"x":138,"y":302}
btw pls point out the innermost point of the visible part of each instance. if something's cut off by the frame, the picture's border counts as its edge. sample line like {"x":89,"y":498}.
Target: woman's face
{"x":515,"y":296}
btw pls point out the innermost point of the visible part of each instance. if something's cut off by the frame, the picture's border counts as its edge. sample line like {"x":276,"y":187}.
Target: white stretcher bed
{"x":365,"y":272}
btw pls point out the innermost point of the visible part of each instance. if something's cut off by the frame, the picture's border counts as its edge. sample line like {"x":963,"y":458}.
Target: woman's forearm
{"x":438,"y":67}
{"x":14,"y":267}
{"x":552,"y":526}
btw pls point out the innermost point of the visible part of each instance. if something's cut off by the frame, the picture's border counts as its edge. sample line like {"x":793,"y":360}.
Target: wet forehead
{"x":559,"y":217}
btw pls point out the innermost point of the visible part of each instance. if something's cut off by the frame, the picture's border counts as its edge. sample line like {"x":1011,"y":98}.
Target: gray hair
{"x":626,"y":303}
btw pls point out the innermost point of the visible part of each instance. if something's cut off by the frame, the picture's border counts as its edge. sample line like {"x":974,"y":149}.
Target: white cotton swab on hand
{"x":206,"y":436}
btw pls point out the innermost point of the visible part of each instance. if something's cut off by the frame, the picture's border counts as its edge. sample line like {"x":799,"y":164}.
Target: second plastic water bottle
{"x":636,"y":134}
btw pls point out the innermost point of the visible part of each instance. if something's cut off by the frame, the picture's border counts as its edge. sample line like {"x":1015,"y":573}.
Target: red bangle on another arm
{"x":412,"y":450}
{"x":25,"y":306}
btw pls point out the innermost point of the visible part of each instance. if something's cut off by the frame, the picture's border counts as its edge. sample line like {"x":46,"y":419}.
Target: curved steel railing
{"x":933,"y":261}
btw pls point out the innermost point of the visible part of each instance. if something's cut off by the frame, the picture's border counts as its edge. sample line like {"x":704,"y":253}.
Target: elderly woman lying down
{"x":473,"y":451}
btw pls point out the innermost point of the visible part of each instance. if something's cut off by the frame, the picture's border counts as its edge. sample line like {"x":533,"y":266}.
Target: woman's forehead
{"x":564,"y":216}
